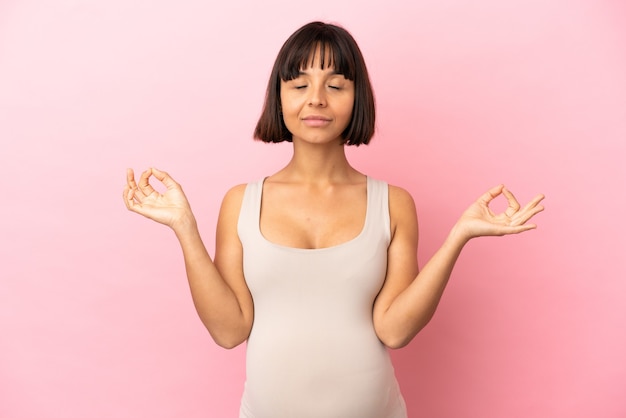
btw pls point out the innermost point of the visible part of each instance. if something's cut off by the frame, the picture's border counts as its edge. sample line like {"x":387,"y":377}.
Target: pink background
{"x":95,"y":315}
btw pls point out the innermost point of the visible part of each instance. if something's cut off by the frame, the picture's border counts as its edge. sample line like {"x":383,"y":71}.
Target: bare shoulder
{"x":402,"y":211}
{"x":233,"y":198}
{"x":400,"y":196}
{"x":229,"y":211}
{"x":235,"y":192}
{"x":401,"y":203}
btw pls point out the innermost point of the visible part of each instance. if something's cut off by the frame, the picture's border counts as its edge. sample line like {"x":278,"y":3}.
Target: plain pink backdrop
{"x":95,"y":315}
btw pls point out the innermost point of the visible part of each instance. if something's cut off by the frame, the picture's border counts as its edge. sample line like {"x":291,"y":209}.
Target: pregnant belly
{"x":321,"y":373}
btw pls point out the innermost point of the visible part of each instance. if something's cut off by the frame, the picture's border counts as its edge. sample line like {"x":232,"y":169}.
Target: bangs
{"x":329,"y":52}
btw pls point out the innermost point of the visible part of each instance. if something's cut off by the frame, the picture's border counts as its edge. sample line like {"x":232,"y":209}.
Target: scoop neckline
{"x":368,"y":192}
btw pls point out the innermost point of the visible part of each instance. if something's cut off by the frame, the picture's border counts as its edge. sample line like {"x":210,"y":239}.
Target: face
{"x":317,"y":105}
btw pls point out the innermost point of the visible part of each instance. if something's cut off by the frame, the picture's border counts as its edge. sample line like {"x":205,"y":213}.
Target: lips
{"x":316,"y":117}
{"x":316,"y":120}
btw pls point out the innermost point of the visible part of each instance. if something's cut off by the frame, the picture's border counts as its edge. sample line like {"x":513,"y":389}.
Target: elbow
{"x":400,"y":338}
{"x":227,"y":335}
{"x":396,"y":343}
{"x":228,"y":342}
{"x":228,"y":339}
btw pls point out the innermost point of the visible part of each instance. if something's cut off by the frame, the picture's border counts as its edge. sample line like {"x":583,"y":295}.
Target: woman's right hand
{"x":170,"y":208}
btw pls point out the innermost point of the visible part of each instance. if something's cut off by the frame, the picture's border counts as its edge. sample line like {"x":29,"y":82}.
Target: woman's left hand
{"x":479,"y":220}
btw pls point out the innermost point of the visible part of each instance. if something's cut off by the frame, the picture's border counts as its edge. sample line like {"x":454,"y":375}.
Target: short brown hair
{"x":344,"y":55}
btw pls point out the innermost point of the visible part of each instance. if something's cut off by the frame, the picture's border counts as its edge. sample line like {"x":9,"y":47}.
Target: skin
{"x":318,"y":200}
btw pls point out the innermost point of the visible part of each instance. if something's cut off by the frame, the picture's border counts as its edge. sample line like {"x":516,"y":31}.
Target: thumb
{"x":164,"y":178}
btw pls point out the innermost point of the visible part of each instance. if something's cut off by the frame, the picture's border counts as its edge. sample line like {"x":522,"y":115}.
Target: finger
{"x":144,"y":182}
{"x":126,"y":195}
{"x":132,"y":202}
{"x":491,"y":194}
{"x":164,"y":178}
{"x":525,"y":215}
{"x":129,"y":198}
{"x":130,"y":178}
{"x":133,"y":192}
{"x":534,"y":202}
{"x":514,"y":205}
{"x":531,"y":209}
{"x":517,"y":229}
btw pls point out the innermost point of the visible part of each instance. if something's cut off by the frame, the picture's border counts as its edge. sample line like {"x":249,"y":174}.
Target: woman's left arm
{"x":408,"y":299}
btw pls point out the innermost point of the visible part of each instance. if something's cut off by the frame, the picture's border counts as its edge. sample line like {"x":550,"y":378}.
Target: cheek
{"x":288,"y":112}
{"x":287,"y":104}
{"x":348,"y":108}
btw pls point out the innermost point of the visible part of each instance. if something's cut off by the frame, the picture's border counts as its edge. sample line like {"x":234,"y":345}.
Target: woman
{"x":316,"y":265}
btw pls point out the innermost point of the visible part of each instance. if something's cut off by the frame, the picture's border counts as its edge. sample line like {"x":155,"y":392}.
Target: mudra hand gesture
{"x":170,"y":208}
{"x":479,"y":220}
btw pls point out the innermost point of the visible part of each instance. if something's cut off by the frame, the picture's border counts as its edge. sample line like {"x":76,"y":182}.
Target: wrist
{"x":459,"y":235}
{"x":185,"y":226}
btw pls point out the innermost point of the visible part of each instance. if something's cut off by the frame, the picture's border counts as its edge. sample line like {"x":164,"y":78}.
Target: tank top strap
{"x":378,"y":206}
{"x":249,"y":214}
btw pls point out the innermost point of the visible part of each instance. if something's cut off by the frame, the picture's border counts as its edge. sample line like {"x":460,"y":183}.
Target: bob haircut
{"x":337,"y":49}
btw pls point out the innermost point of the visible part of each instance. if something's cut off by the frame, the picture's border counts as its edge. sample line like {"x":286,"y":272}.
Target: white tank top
{"x":313,"y":351}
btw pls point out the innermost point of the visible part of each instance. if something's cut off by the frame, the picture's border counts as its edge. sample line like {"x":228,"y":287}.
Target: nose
{"x":317,"y":96}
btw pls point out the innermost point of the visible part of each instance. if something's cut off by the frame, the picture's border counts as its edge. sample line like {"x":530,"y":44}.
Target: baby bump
{"x":319,"y":373}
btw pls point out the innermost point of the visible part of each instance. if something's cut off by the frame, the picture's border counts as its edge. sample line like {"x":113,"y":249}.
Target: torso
{"x":313,"y":351}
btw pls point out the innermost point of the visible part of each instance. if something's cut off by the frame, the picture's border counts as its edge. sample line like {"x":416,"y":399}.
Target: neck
{"x":315,"y":163}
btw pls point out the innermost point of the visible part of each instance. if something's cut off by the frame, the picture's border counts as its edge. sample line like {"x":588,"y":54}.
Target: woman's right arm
{"x":218,"y":288}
